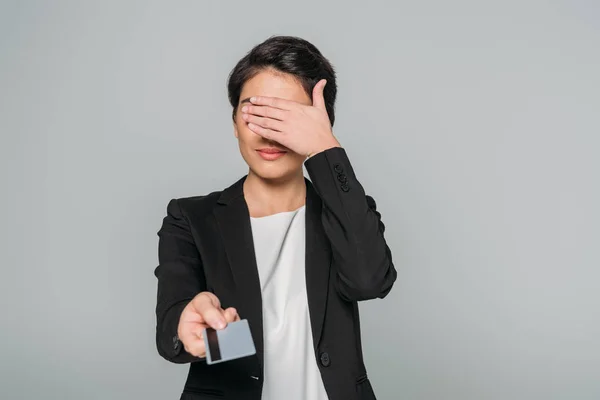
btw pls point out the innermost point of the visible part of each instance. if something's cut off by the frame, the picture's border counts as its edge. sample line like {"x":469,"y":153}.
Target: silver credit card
{"x":232,"y":342}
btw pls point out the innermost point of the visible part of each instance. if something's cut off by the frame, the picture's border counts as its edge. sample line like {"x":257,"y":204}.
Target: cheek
{"x":298,"y":160}
{"x":240,"y":126}
{"x":245,"y":135}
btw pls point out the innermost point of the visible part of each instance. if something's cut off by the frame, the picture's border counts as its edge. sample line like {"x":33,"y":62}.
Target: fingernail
{"x":245,"y":108}
{"x":252,"y":99}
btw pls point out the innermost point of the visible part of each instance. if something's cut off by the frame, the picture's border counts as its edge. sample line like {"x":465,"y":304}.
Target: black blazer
{"x":205,"y":244}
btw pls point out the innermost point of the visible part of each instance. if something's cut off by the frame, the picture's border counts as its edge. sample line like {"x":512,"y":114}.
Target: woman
{"x":292,"y":256}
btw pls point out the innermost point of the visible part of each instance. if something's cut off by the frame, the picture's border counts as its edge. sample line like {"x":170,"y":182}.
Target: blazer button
{"x":325,"y":360}
{"x":342,"y":178}
{"x":338,"y":168}
{"x":345,"y":187}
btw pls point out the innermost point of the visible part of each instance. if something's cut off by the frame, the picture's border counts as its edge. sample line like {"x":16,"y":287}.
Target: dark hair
{"x":287,"y":54}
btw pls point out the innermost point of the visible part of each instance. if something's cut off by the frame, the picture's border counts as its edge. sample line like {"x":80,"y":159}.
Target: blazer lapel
{"x":233,"y":218}
{"x":318,"y":262}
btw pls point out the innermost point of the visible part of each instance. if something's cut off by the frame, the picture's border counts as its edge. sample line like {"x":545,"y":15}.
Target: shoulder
{"x":194,"y":205}
{"x":199,"y":201}
{"x":203,"y":205}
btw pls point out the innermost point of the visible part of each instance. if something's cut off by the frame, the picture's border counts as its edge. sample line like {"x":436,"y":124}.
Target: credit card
{"x":230,"y":343}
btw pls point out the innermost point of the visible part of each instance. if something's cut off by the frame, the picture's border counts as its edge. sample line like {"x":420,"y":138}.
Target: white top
{"x":290,"y":367}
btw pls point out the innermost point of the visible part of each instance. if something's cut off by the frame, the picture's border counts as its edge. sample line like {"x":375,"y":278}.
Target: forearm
{"x":180,"y":279}
{"x":360,"y":253}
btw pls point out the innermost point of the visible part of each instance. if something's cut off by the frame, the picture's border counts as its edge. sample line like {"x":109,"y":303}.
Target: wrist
{"x":324,"y":146}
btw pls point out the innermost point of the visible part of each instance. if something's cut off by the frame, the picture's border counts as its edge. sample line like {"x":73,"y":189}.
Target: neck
{"x":268,"y":196}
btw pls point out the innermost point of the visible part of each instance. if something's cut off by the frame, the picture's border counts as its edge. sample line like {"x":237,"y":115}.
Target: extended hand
{"x":304,"y":129}
{"x":202,"y":312}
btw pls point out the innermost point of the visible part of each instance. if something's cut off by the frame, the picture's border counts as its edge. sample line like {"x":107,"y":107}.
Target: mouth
{"x":271,"y":153}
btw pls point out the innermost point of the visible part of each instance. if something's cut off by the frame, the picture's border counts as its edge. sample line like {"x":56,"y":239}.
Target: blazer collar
{"x":233,"y":192}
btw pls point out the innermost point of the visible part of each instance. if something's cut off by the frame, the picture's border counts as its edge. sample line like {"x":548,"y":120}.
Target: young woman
{"x":292,"y":256}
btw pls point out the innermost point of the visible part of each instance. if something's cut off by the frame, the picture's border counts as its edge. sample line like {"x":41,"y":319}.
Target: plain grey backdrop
{"x":475,"y":125}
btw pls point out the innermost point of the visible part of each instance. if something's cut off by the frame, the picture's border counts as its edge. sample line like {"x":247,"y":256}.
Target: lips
{"x":271,"y":150}
{"x":271,"y":153}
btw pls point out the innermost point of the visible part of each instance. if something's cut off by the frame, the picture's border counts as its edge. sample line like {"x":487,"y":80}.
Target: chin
{"x":272,"y":173}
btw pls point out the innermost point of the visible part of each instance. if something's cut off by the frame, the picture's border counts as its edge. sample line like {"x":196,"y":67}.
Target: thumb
{"x":317,"y":98}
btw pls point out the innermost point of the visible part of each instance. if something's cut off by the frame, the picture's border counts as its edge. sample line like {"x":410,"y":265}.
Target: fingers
{"x":214,"y":318}
{"x":203,"y":311}
{"x":268,"y":123}
{"x":317,"y":98}
{"x":192,"y":336}
{"x":276,"y":102}
{"x":195,"y":345}
{"x":265,"y":111}
{"x":208,"y":306}
{"x":231,"y":315}
{"x":266,"y":133}
{"x":205,"y":297}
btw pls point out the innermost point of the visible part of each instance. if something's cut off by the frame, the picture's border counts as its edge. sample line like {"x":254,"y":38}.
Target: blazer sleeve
{"x":361,"y":256}
{"x":180,"y":279}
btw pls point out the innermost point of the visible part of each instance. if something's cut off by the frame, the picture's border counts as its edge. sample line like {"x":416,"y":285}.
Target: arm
{"x":180,"y":279}
{"x":353,"y":225}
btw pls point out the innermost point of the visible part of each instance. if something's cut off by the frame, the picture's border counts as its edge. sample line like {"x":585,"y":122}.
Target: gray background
{"x":474,"y":124}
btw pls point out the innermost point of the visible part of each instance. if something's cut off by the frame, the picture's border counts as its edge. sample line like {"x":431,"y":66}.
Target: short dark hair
{"x":287,"y":54}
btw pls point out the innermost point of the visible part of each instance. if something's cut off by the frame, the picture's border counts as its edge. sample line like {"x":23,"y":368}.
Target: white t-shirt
{"x":290,"y":367}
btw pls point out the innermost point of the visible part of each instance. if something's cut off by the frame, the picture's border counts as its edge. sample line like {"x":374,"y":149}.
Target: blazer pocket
{"x":364,"y":388}
{"x":201,"y":394}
